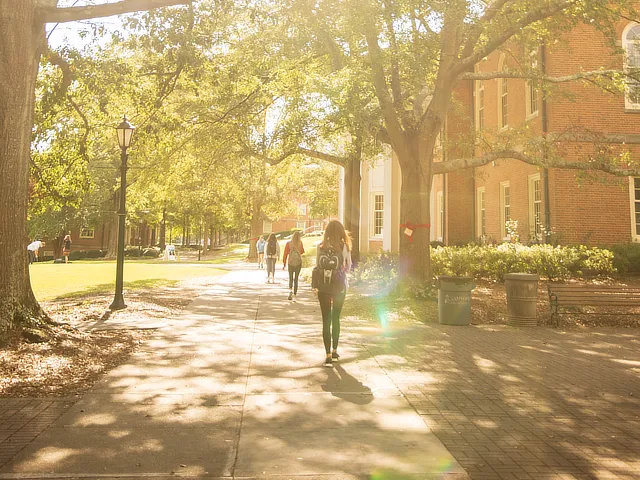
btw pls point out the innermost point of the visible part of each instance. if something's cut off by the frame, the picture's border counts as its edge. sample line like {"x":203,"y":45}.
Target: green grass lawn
{"x":51,"y":280}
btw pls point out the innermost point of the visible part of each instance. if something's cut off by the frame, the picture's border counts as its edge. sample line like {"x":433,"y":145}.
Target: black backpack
{"x":328,"y":275}
{"x":271,"y":247}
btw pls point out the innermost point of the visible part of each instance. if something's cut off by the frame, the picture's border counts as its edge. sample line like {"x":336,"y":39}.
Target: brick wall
{"x":592,"y":210}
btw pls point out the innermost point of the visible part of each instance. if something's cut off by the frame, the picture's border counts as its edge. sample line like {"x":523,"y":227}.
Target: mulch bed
{"x":74,"y":358}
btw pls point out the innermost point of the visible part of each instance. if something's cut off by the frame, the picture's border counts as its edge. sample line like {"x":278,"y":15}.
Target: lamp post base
{"x":118,"y":303}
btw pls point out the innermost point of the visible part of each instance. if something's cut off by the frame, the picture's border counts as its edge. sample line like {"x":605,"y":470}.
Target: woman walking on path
{"x":260,"y":247}
{"x":272,"y":254}
{"x":294,"y":251}
{"x":66,"y":247}
{"x":333,"y":261}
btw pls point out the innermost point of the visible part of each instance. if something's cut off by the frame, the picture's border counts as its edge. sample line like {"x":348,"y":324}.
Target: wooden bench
{"x":571,"y":295}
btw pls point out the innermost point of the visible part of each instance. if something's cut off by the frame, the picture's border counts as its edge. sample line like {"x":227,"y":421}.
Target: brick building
{"x":592,"y":211}
{"x":563,"y":205}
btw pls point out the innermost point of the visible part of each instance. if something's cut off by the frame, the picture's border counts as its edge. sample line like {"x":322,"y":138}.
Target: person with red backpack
{"x":294,"y":251}
{"x":329,"y":280}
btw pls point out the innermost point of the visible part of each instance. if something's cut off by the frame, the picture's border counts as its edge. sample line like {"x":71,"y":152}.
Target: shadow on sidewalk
{"x":347,"y":387}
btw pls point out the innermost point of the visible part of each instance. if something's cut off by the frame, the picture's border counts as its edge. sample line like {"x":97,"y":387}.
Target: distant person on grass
{"x":260,"y":246}
{"x":66,"y":248}
{"x":34,"y":250}
{"x":272,"y":254}
{"x":293,"y":250}
{"x":329,"y":280}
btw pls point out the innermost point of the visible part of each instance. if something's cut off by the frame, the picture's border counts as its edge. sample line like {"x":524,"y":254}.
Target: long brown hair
{"x":335,"y":236}
{"x":295,"y":240}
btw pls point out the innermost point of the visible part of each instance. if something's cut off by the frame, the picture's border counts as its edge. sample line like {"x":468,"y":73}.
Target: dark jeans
{"x":331,"y":306}
{"x":294,"y":273}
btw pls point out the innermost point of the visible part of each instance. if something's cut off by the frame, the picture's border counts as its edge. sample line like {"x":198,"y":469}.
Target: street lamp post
{"x":125,"y":132}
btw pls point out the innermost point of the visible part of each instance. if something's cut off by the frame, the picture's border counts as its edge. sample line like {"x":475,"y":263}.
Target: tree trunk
{"x":415,"y":228}
{"x":356,"y":178}
{"x":346,"y":207}
{"x":163,"y":230}
{"x":256,"y":229}
{"x":19,"y":57}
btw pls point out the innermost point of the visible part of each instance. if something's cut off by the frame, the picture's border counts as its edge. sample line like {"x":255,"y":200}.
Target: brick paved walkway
{"x":520,"y":403}
{"x":23,"y":419}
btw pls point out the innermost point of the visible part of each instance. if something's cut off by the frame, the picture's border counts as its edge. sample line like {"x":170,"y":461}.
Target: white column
{"x":365,"y":213}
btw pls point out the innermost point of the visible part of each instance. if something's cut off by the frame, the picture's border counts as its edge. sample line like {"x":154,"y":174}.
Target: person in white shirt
{"x":34,"y":250}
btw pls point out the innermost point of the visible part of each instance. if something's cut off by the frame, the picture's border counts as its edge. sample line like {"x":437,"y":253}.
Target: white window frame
{"x":535,"y":224}
{"x":317,"y":225}
{"x":503,"y":97}
{"x":301,"y":225}
{"x":635,"y":209}
{"x":481,"y":212}
{"x":302,"y":209}
{"x":374,"y":233}
{"x":84,"y":234}
{"x":504,"y":208}
{"x":480,"y":103}
{"x":267,"y":226}
{"x":628,"y":104}
{"x":440,"y":217}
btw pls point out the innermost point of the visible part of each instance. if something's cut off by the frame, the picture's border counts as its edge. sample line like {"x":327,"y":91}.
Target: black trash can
{"x":454,"y":299}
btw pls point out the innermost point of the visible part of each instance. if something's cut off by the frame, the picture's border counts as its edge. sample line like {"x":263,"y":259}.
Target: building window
{"x":480,"y":105}
{"x":503,"y":97}
{"x":631,"y":45}
{"x":505,"y":208}
{"x":86,"y":232}
{"x":317,"y":225}
{"x":440,"y":218}
{"x":267,"y":226}
{"x":301,"y":225}
{"x":532,"y":92}
{"x":378,"y":215}
{"x":481,"y":220}
{"x":302,"y":209}
{"x":635,"y":207}
{"x":535,"y":208}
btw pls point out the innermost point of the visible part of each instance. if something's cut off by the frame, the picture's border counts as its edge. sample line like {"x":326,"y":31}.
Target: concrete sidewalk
{"x":234,"y":388}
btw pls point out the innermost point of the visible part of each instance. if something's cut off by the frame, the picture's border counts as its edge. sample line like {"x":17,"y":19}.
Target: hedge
{"x":494,"y":261}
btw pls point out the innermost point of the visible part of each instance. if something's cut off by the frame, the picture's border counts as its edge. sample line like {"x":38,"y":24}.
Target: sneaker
{"x":290,"y":296}
{"x":328,"y":362}
{"x":335,"y":357}
{"x":295,"y":298}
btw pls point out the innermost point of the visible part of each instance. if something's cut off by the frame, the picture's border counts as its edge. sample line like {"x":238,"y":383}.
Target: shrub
{"x":626,"y":257}
{"x":495,"y":261}
{"x":380,"y":269}
{"x":153,"y":252}
{"x":77,"y":254}
{"x":96,"y":254}
{"x":131,"y":251}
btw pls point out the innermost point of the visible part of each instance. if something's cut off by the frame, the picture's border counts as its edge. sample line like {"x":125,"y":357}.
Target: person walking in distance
{"x":293,"y":250}
{"x":66,"y":248}
{"x":272,"y":254}
{"x":260,"y":248}
{"x":329,"y":280}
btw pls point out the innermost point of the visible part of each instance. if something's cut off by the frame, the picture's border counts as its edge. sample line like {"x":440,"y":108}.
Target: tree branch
{"x":534,"y":16}
{"x":544,"y":78}
{"x":476,"y":30}
{"x":392,"y":123}
{"x":592,"y":165}
{"x":71,"y":14}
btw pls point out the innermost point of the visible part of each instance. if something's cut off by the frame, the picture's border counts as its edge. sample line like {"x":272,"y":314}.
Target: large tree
{"x":22,"y":36}
{"x":417,"y":53}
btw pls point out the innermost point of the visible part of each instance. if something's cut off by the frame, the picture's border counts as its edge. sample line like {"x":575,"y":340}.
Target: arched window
{"x":503,"y":96}
{"x":631,"y":45}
